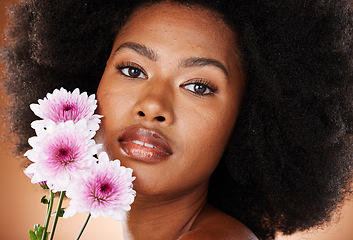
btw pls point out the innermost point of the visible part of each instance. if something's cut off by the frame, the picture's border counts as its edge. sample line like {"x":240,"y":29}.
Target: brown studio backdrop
{"x":21,"y":208}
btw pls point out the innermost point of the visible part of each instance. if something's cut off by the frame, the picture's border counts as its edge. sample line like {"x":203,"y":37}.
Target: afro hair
{"x":288,"y":163}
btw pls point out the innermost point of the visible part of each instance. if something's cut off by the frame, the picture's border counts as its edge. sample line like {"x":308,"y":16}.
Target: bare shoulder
{"x":213,"y":224}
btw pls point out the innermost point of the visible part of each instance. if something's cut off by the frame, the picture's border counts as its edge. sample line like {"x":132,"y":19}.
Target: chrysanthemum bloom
{"x":62,"y":105}
{"x":106,"y":189}
{"x":59,"y":154}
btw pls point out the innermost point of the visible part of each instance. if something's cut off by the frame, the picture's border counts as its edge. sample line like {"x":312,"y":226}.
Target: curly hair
{"x":288,"y":163}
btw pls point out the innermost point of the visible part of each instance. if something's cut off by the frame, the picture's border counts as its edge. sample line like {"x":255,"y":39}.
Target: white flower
{"x":61,"y":106}
{"x":105,"y":189}
{"x":60,"y":152}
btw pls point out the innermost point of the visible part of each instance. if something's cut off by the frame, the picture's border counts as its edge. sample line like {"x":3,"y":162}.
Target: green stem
{"x":84,"y":226}
{"x":49,"y":209}
{"x":62,"y":194}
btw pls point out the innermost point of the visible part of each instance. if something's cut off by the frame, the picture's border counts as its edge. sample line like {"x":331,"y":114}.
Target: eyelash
{"x":211,"y":87}
{"x":125,"y":65}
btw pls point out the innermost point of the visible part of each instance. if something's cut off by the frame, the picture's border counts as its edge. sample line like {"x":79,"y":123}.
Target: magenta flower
{"x":61,"y":106}
{"x":105,"y":189}
{"x":60,"y":152}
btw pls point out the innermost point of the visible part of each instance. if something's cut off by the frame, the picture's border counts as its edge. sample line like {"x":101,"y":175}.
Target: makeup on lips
{"x":144,"y":145}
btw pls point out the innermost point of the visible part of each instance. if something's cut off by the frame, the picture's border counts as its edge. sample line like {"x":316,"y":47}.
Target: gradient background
{"x":20,"y":206}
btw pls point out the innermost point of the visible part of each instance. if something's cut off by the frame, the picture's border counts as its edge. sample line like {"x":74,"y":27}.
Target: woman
{"x":236,"y":117}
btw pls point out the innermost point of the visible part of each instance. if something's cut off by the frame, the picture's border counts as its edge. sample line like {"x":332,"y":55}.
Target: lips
{"x":144,"y":145}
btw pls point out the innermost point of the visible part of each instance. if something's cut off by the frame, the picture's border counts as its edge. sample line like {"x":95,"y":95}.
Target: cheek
{"x":115,"y":106}
{"x":207,"y":135}
{"x":114,"y":98}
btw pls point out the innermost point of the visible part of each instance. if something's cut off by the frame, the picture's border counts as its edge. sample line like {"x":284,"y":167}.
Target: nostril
{"x":160,"y":118}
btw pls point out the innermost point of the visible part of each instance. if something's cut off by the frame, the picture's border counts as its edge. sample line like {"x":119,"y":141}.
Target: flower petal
{"x":105,"y":189}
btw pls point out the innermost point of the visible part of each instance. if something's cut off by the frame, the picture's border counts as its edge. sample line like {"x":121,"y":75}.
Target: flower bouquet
{"x":67,"y":160}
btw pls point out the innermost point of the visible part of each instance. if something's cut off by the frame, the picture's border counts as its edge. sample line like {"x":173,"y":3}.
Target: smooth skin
{"x":174,"y":70}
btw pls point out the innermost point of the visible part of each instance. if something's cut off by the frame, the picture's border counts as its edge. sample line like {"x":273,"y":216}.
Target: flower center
{"x":63,"y":152}
{"x":68,"y":107}
{"x":105,"y":188}
{"x":64,"y":156}
{"x":103,"y":192}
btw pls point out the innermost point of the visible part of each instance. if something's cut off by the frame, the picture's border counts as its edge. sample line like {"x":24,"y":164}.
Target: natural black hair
{"x":288,"y":163}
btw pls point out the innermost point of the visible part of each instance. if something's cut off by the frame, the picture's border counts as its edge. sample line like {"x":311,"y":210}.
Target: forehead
{"x":178,"y":26}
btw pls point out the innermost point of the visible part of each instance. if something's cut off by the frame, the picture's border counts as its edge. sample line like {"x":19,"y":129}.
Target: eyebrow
{"x":140,"y":49}
{"x":201,"y":62}
{"x":189,"y":62}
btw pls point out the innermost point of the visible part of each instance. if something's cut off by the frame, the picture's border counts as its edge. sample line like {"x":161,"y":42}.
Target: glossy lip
{"x":144,"y":145}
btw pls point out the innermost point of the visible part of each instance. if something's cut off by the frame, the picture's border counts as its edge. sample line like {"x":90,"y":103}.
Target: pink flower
{"x":61,"y":106}
{"x":106,"y":189}
{"x":60,"y":152}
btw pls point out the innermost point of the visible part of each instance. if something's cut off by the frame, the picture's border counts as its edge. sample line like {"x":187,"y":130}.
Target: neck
{"x":157,"y":217}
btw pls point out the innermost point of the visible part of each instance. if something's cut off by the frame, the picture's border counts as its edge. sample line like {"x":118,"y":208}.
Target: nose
{"x":154,"y":104}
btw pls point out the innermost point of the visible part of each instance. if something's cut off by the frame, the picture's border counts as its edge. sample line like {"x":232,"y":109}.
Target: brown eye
{"x":133,"y":72}
{"x":199,"y":88}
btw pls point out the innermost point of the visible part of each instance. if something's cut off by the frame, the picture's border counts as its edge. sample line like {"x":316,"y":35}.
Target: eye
{"x":131,"y":70}
{"x":200,"y":87}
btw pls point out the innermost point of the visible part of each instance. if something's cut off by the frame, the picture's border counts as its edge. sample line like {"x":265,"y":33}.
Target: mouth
{"x":144,"y":145}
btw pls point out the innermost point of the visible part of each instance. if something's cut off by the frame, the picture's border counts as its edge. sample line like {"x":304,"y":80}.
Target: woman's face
{"x":170,"y":96}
